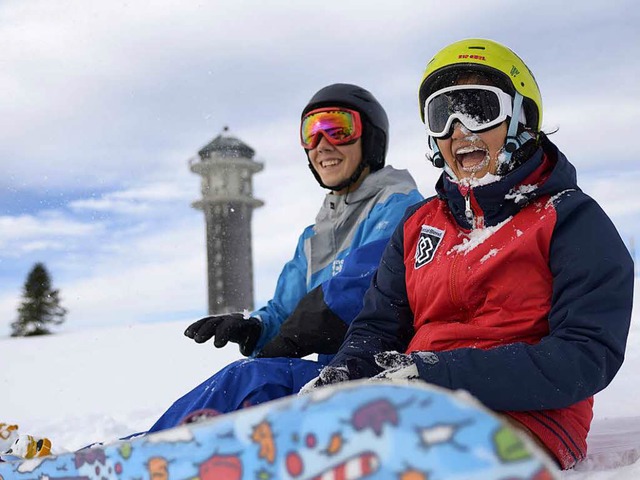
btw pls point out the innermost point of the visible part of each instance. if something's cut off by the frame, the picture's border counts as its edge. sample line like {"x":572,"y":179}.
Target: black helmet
{"x":375,"y":124}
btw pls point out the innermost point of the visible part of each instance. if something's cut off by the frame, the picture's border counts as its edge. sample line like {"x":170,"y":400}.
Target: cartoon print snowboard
{"x":351,"y":431}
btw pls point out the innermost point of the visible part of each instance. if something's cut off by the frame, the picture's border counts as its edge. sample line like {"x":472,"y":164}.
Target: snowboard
{"x":350,"y":431}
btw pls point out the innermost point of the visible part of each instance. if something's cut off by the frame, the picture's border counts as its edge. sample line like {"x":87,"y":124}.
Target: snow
{"x":492,"y":253}
{"x":520,"y":193}
{"x":476,"y":237}
{"x":101,"y":384}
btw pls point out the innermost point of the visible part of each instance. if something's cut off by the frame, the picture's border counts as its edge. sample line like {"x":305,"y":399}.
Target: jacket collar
{"x":546,"y":172}
{"x":399,"y":180}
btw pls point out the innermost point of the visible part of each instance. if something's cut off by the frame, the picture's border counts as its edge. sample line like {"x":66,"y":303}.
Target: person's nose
{"x":458,"y":131}
{"x":324,"y":145}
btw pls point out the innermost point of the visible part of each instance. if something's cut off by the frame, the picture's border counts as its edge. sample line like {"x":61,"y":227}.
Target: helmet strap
{"x":436,"y":156}
{"x":437,"y":159}
{"x":512,"y":142}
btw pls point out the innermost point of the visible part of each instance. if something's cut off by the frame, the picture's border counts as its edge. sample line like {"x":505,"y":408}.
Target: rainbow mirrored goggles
{"x":477,"y":107}
{"x":338,"y":125}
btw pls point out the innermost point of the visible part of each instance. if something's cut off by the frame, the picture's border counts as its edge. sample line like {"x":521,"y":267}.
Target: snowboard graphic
{"x":356,"y":430}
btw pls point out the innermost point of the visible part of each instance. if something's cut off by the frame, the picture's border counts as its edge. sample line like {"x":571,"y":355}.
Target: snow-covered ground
{"x":98,"y":385}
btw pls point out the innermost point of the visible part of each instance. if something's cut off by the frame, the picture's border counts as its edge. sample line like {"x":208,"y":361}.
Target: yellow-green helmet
{"x":489,"y":58}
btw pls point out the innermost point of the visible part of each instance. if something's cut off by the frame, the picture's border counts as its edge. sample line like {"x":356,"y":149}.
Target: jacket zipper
{"x":453,"y":290}
{"x":468,"y":211}
{"x":471,"y":217}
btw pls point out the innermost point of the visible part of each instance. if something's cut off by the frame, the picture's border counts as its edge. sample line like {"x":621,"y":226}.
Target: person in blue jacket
{"x":345,"y":134}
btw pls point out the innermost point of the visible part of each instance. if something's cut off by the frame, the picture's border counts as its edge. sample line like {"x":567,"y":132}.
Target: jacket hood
{"x":546,"y":172}
{"x":399,"y":181}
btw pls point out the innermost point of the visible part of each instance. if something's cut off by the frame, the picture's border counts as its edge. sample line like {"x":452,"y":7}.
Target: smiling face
{"x":336,"y":163}
{"x":473,"y":155}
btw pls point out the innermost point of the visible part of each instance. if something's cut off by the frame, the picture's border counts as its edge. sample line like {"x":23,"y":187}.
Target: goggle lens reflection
{"x":338,"y":125}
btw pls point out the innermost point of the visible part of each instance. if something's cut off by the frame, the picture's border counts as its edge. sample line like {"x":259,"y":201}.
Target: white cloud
{"x":42,"y":245}
{"x":595,"y":133}
{"x":111,"y":91}
{"x":104,"y":102}
{"x":616,"y":193}
{"x":134,"y":201}
{"x":47,"y":228}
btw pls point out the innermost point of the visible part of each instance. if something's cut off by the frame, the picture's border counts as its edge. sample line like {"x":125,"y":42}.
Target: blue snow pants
{"x":242,"y":384}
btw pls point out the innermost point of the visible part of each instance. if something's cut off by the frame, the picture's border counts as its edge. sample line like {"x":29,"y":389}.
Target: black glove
{"x":228,"y":327}
{"x":311,"y":328}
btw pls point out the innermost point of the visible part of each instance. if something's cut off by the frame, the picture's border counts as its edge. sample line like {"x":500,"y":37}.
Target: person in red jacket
{"x":510,"y":283}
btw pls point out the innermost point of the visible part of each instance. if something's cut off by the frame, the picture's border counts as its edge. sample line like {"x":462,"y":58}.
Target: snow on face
{"x":468,"y":133}
{"x":469,"y":123}
{"x":471,"y":180}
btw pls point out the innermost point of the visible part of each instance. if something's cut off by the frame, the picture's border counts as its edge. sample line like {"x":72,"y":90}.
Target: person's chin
{"x":331,"y":179}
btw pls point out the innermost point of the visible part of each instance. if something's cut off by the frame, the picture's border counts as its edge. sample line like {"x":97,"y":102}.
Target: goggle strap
{"x":517,"y":106}
{"x":513,"y":143}
{"x":436,"y":157}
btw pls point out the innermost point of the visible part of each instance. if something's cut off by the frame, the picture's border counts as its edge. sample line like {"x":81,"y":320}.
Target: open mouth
{"x":472,"y":158}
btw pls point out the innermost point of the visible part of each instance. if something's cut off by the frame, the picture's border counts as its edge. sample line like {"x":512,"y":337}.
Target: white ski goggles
{"x":477,"y":107}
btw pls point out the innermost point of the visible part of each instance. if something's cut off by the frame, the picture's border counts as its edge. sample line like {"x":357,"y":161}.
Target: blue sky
{"x":103,"y":103}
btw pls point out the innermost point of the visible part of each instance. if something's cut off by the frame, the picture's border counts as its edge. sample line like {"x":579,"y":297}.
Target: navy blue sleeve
{"x":588,"y":322}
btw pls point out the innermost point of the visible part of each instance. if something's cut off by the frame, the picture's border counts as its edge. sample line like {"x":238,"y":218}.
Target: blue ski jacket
{"x":320,"y":290}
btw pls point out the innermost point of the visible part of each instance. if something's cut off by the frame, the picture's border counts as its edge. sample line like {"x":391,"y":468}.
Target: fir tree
{"x":40,"y":307}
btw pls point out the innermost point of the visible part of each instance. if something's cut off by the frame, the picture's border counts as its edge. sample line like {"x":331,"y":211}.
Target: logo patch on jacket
{"x":430,"y":238}
{"x":336,"y":266}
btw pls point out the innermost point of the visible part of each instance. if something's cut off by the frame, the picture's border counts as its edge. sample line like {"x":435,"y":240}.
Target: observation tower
{"x":226,"y":166}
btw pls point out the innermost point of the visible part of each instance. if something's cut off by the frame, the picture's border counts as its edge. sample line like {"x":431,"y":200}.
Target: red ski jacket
{"x":523,"y":289}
